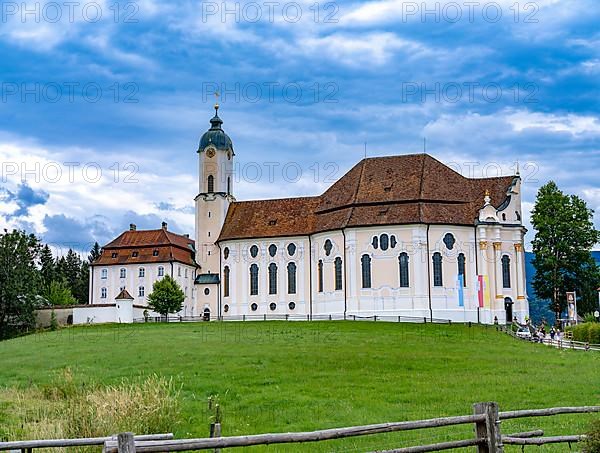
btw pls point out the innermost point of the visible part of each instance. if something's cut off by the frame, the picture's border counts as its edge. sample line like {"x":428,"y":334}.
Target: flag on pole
{"x":461,"y":293}
{"x":480,"y":290}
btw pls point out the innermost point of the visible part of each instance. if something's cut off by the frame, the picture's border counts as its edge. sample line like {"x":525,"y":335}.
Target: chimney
{"x":164,"y":226}
{"x":132,"y":227}
{"x":187,"y":235}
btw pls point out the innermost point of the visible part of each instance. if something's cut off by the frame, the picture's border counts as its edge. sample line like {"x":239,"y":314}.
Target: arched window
{"x":254,"y":280}
{"x":123,"y":273}
{"x":320,"y":270}
{"x":506,"y":271}
{"x":291,"y":270}
{"x":403,"y":262}
{"x":365,"y":262}
{"x":211,"y":184}
{"x":461,"y":268}
{"x":384,"y":241}
{"x":338,"y":273}
{"x":437,"y":269}
{"x":229,"y":185}
{"x":272,"y":278}
{"x":375,"y":242}
{"x":161,"y":271}
{"x":226,"y":281}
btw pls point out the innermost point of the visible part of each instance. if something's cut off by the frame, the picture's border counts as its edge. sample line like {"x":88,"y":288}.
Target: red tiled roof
{"x":169,"y":246}
{"x":414,"y":188}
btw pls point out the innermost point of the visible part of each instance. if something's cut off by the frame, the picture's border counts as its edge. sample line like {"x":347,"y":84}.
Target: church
{"x":396,"y":237}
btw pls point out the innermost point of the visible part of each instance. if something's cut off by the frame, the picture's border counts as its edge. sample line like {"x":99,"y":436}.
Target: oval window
{"x":272,"y":306}
{"x":254,"y":251}
{"x":328,"y":246}
{"x":272,"y":250}
{"x":375,"y":242}
{"x":384,"y":242}
{"x":291,"y":248}
{"x":253,"y":307}
{"x":449,"y":241}
{"x":206,"y":291}
{"x":292,"y":305}
{"x":226,"y":252}
{"x":226,"y":308}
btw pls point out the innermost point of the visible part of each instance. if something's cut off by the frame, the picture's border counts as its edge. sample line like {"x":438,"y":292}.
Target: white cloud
{"x":571,"y":123}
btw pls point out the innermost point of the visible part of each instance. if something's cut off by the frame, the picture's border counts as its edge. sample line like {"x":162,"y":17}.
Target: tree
{"x":82,"y":284}
{"x":47,"y":266}
{"x":166,"y":297}
{"x":94,"y":253}
{"x":20,"y":281}
{"x":58,"y":293}
{"x":564,"y":237}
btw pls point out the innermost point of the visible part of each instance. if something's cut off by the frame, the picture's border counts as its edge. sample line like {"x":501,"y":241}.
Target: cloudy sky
{"x":103,"y":103}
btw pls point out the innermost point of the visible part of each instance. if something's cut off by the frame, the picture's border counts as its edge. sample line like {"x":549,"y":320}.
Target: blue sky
{"x":102,"y":105}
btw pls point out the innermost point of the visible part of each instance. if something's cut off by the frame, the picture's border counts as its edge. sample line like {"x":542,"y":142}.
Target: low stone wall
{"x":64,"y":316}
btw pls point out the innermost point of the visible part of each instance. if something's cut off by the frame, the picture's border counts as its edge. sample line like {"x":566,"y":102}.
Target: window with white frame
{"x":104,"y":274}
{"x":123,"y":272}
{"x":142,"y":272}
{"x":102,"y":293}
{"x":141,"y":291}
{"x":161,"y":271}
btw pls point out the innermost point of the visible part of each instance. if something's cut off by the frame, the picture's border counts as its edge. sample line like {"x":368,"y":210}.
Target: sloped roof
{"x":124,"y":295}
{"x":413,"y":188}
{"x":148,"y":246}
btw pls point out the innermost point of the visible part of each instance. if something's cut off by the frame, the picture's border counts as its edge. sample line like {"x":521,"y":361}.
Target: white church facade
{"x":399,"y":236}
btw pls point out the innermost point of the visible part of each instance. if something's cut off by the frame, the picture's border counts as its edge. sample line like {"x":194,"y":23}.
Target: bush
{"x":589,"y":317}
{"x":592,"y":442}
{"x":587,"y":332}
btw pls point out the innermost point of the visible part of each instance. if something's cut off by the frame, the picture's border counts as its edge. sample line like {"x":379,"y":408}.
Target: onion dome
{"x":216,"y":136}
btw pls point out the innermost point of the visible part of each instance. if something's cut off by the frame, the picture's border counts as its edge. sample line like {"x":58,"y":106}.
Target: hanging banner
{"x":461,"y":293}
{"x":572,"y":306}
{"x":480,"y":290}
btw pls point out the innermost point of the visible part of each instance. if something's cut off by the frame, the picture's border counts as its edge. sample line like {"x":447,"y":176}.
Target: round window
{"x":253,"y":307}
{"x":226,"y":308}
{"x":226,"y":252}
{"x":272,"y":306}
{"x":254,"y":251}
{"x":206,"y":291}
{"x":272,"y":250}
{"x":292,"y":305}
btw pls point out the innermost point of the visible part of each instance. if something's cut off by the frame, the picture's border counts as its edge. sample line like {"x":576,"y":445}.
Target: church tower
{"x":215,"y":156}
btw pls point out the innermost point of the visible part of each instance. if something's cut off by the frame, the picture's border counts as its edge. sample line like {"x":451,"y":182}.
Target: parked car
{"x":524,"y":332}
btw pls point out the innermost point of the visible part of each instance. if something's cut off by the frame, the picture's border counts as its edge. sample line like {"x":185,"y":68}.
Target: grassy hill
{"x":278,"y":376}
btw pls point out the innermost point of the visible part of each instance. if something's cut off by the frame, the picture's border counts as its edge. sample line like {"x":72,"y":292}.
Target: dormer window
{"x":114,"y":254}
{"x":135,"y":254}
{"x":155,"y":252}
{"x":273,"y":222}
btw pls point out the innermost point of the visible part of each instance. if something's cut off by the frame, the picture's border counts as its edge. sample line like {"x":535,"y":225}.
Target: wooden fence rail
{"x":83,"y":442}
{"x":486,"y":418}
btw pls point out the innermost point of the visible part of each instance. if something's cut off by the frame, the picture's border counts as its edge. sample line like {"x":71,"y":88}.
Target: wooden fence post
{"x":215,"y":431}
{"x":488,"y":429}
{"x":126,"y":443}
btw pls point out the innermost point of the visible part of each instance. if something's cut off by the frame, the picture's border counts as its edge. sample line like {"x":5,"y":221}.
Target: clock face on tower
{"x":210,"y":152}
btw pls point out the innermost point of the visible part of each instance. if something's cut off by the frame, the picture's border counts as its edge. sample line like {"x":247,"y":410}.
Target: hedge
{"x":586,"y":332}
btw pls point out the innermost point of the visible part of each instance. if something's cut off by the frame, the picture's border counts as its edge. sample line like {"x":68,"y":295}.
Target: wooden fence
{"x":486,"y":419}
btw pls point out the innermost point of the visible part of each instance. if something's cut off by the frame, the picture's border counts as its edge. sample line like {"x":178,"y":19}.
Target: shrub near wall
{"x":586,"y":332}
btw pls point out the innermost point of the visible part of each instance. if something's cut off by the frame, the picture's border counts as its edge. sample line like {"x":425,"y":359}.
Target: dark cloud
{"x":25,"y":197}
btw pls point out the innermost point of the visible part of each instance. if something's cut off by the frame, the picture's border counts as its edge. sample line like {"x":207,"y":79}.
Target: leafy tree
{"x":94,"y":253}
{"x":47,"y":266}
{"x":166,"y":297}
{"x":20,"y":281}
{"x":564,"y":237}
{"x":58,"y":293}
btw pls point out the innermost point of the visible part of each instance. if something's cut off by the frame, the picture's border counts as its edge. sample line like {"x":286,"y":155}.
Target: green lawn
{"x":293,"y":376}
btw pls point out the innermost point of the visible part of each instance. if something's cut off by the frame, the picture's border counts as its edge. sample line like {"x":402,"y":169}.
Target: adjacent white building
{"x":395,"y":236}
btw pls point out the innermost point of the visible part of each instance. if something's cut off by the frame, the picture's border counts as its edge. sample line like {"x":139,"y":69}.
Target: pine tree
{"x":94,"y":253}
{"x":81,"y":290}
{"x":47,"y":266}
{"x":564,"y":237}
